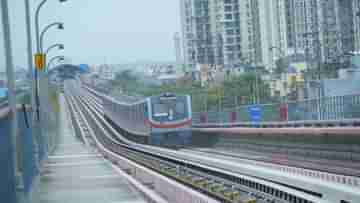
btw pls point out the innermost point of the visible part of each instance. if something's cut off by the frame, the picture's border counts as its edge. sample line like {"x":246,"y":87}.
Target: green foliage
{"x":281,"y":65}
{"x":125,"y":81}
{"x":247,"y":86}
{"x":232,"y":92}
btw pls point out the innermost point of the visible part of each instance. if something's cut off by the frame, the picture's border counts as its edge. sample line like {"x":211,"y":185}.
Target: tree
{"x":281,"y":65}
{"x":244,"y":88}
{"x":125,"y":80}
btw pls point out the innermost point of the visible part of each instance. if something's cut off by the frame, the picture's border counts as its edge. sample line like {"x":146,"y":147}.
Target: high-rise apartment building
{"x":188,"y":31}
{"x":228,"y":29}
{"x":231,"y":32}
{"x":177,"y":48}
{"x":273,"y":30}
{"x":324,"y":29}
{"x":356,"y":20}
{"x":196,"y":30}
{"x":235,"y":32}
{"x":221,"y":32}
{"x":290,"y":23}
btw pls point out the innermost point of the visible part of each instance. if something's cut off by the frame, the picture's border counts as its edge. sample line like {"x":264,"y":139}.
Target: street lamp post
{"x":59,"y":25}
{"x":59,"y":46}
{"x":30,"y":54}
{"x":37,"y":27}
{"x":39,"y":51}
{"x":60,"y":58}
{"x":11,"y":85}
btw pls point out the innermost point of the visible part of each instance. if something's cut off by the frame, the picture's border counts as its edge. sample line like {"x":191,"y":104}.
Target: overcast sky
{"x":99,"y":31}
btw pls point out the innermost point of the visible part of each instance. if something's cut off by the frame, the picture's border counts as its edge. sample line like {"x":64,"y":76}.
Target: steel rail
{"x":88,"y":107}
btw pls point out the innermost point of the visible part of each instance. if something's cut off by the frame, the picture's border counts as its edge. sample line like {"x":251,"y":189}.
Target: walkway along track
{"x":214,"y":179}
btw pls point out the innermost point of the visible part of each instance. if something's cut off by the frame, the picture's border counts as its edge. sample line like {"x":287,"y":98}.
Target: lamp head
{"x":61,"y":26}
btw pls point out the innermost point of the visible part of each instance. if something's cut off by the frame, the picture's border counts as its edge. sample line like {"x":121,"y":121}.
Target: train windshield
{"x":161,"y":110}
{"x":169,"y":109}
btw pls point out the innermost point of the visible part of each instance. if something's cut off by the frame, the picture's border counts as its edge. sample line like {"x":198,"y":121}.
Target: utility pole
{"x":35,"y":123}
{"x":30,"y":54}
{"x":11,"y":85}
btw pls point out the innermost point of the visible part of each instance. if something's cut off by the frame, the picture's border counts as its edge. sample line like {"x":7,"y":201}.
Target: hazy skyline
{"x":101,"y":31}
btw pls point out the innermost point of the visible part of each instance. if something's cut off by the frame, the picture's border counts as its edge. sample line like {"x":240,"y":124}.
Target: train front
{"x":170,"y":118}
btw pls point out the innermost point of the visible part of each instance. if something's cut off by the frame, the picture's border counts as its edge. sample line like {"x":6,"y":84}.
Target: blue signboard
{"x":84,"y":67}
{"x":3,"y":92}
{"x":255,"y":112}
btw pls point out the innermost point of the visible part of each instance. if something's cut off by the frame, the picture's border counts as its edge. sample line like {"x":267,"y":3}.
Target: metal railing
{"x":33,"y":142}
{"x":328,"y":108}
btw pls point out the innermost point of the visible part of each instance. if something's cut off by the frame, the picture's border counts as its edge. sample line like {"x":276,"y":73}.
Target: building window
{"x":229,"y":24}
{"x":228,"y":8}
{"x":228,"y":16}
{"x":229,"y":48}
{"x":229,"y":32}
{"x":230,"y":40}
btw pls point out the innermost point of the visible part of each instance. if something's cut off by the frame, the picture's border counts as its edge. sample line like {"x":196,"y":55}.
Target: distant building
{"x":273,"y":31}
{"x":177,"y":47}
{"x":324,"y":29}
{"x":106,"y":72}
{"x":197,"y":24}
{"x":233,"y":32}
{"x":356,"y":23}
{"x":341,"y":87}
{"x":168,"y":79}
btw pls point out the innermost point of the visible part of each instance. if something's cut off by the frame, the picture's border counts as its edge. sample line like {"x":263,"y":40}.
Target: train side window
{"x":263,"y":188}
{"x":238,"y":180}
{"x":343,"y":201}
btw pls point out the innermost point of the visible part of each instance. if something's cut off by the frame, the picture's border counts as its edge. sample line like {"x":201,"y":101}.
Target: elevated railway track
{"x":223,"y":179}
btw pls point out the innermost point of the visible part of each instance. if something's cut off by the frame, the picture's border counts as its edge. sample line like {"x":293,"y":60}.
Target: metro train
{"x":163,"y":120}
